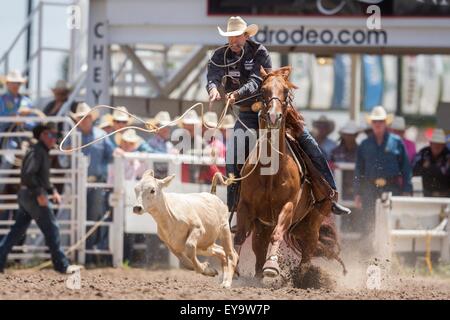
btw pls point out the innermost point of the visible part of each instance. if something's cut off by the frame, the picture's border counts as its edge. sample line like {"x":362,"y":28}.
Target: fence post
{"x":119,"y":211}
{"x":382,"y":236}
{"x":81,"y":204}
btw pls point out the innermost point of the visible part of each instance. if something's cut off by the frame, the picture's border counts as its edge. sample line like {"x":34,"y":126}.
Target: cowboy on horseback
{"x":235,"y":69}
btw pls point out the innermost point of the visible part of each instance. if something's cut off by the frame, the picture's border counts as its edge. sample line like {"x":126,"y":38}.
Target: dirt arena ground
{"x":130,"y":283}
{"x":181,"y":284}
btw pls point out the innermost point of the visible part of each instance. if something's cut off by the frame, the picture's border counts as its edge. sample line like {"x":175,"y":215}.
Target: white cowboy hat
{"x":398,"y":123}
{"x":130,"y":135}
{"x":237,"y":26}
{"x":191,"y":118}
{"x":106,"y":121}
{"x":228,"y":122}
{"x":162,"y":118}
{"x":210,"y":119}
{"x":438,"y":136}
{"x":378,"y":114}
{"x":15,"y":76}
{"x":350,"y":128}
{"x":62,"y":85}
{"x":118,"y":115}
{"x":82,"y":109}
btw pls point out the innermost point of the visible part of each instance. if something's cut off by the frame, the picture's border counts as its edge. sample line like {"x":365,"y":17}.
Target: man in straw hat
{"x":106,"y":123}
{"x":131,"y":142}
{"x":382,"y":165}
{"x":432,"y":163}
{"x":346,"y":150}
{"x":100,"y":153}
{"x":13,"y":103}
{"x":33,"y":200}
{"x":236,"y":68}
{"x":120,"y":120}
{"x":160,"y":141}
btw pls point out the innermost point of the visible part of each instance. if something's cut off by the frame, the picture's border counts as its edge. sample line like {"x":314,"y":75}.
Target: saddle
{"x":320,"y":188}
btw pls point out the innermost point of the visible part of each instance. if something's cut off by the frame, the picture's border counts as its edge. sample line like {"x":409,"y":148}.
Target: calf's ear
{"x":166,"y":181}
{"x":149,"y":172}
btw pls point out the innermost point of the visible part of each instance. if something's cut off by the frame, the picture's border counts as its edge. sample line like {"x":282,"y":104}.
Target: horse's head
{"x":275,"y":91}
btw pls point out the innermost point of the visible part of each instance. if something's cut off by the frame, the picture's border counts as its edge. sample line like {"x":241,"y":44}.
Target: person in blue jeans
{"x":235,"y":69}
{"x":33,"y":200}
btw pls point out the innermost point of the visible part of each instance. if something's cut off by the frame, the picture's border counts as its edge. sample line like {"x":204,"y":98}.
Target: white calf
{"x":189,"y":224}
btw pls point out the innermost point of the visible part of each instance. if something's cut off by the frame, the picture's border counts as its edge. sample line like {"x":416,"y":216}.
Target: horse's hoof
{"x":271,"y":272}
{"x":210,"y":272}
{"x":271,"y":268}
{"x":226,"y":285}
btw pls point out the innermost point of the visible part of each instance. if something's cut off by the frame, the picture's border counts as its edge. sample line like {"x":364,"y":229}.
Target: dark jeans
{"x":306,"y":141}
{"x":45,"y":219}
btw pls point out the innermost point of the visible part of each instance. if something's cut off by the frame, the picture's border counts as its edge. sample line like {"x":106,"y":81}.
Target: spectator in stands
{"x":214,"y":147}
{"x":382,"y":165}
{"x":192,"y":144}
{"x":398,"y":127}
{"x":160,"y":141}
{"x":131,"y":142}
{"x":33,"y":200}
{"x":432,"y":163}
{"x":192,"y":125}
{"x":346,"y":150}
{"x":134,"y":168}
{"x":12,"y":103}
{"x":61,"y":92}
{"x":120,"y":120}
{"x":106,"y":123}
{"x":100,"y":154}
{"x":322,"y":129}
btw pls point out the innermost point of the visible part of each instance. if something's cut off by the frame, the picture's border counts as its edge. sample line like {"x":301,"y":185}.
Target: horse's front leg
{"x":271,"y":267}
{"x":260,"y":241}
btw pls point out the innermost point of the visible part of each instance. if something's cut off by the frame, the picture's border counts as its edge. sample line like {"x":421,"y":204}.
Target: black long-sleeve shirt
{"x":435,"y":172}
{"x":246,"y":72}
{"x":35,"y":171}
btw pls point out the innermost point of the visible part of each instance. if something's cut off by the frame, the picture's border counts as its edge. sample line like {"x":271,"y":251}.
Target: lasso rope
{"x":150,"y":128}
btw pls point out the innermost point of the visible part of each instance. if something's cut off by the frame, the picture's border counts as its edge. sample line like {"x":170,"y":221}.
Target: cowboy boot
{"x":337,"y":208}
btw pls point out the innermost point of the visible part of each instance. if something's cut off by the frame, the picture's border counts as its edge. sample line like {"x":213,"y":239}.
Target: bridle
{"x":267,"y":104}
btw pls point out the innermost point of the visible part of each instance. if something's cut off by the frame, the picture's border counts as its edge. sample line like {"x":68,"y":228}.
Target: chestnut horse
{"x":282,"y":205}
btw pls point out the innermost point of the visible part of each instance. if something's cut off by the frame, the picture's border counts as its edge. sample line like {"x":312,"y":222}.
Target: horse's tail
{"x":328,"y":245}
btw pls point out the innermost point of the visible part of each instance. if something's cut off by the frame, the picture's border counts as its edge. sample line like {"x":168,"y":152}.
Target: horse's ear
{"x":263,"y":72}
{"x":285,"y":72}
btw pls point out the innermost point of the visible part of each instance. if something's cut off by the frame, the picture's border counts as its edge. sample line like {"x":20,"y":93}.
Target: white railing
{"x":416,"y":225}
